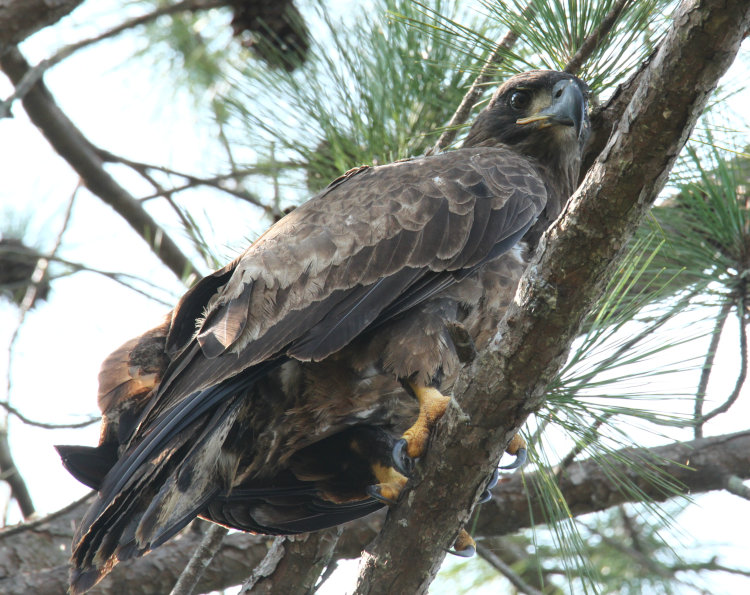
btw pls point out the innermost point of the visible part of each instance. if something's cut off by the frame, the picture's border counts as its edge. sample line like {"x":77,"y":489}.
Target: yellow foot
{"x":464,"y":546}
{"x":517,"y":448}
{"x":389,"y":486}
{"x":432,"y":406}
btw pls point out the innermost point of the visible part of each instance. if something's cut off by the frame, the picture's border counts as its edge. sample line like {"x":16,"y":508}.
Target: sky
{"x":120,"y":106}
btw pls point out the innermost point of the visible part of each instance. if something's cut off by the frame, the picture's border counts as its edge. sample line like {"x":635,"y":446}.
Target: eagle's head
{"x":541,"y":114}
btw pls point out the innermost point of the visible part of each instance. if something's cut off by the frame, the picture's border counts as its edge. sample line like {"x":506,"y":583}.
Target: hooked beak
{"x":568,"y":108}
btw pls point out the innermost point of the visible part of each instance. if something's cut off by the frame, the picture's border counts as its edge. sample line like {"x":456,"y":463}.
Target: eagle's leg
{"x":413,"y":443}
{"x":517,"y":448}
{"x":389,"y":486}
{"x":391,"y":482}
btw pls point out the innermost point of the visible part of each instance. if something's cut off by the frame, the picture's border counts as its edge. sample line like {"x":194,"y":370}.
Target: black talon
{"x":486,"y":494}
{"x":374,"y":492}
{"x":402,"y":462}
{"x":521,"y":457}
{"x":467,"y":552}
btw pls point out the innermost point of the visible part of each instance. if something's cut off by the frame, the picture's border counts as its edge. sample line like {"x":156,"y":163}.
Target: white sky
{"x":121,"y":108}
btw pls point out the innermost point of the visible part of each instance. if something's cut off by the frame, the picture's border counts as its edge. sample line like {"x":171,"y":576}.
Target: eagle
{"x":294,"y":389}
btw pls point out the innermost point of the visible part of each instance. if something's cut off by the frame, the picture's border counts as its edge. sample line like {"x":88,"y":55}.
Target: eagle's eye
{"x":519,"y":100}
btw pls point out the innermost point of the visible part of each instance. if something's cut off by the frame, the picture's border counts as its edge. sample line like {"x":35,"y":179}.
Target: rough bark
{"x":687,"y":467}
{"x":296,"y":566}
{"x":505,"y":384}
{"x":21,"y":18}
{"x":35,"y":560}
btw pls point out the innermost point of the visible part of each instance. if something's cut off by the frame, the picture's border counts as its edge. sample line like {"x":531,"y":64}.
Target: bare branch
{"x":35,"y":560}
{"x":46,"y":425}
{"x":34,"y":74}
{"x":742,"y":375}
{"x":595,"y":38}
{"x":708,"y":365}
{"x":6,"y":532}
{"x":475,"y":91}
{"x":267,"y":566}
{"x":10,"y":474}
{"x":83,"y":157}
{"x":735,"y":486}
{"x":192,"y":181}
{"x":21,"y":18}
{"x":293,"y":564}
{"x":506,"y":571}
{"x":202,"y":557}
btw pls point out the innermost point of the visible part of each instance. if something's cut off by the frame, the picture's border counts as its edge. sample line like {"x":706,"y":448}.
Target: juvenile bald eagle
{"x":291,"y":390}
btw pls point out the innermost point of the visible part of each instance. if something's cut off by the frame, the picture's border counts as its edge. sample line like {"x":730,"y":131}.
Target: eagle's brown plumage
{"x":280,"y":412}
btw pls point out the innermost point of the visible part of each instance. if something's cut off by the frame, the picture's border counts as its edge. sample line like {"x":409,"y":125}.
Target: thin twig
{"x":213,"y":182}
{"x":590,"y":436}
{"x":594,"y":39}
{"x":77,"y":267}
{"x":506,"y":571}
{"x":83,"y":157}
{"x":144,"y":170}
{"x":47,"y":426}
{"x":31,"y":525}
{"x":203,"y":555}
{"x":13,"y":477}
{"x":733,"y":396}
{"x":475,"y":91}
{"x":35,"y":74}
{"x":708,"y":364}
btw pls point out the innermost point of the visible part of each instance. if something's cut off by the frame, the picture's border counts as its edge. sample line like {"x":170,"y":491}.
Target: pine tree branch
{"x":708,"y":364}
{"x":35,"y":73}
{"x":478,"y":85}
{"x":506,"y":571}
{"x":34,"y":555}
{"x":21,"y":18}
{"x":200,"y":560}
{"x":735,"y":485}
{"x":595,"y":38}
{"x":742,"y":374}
{"x":505,"y":384}
{"x":83,"y":157}
{"x":692,"y":467}
{"x":11,"y":473}
{"x":297,"y":562}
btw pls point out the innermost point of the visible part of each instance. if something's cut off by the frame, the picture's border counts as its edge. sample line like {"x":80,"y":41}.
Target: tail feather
{"x":158,"y":498}
{"x":88,"y":464}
